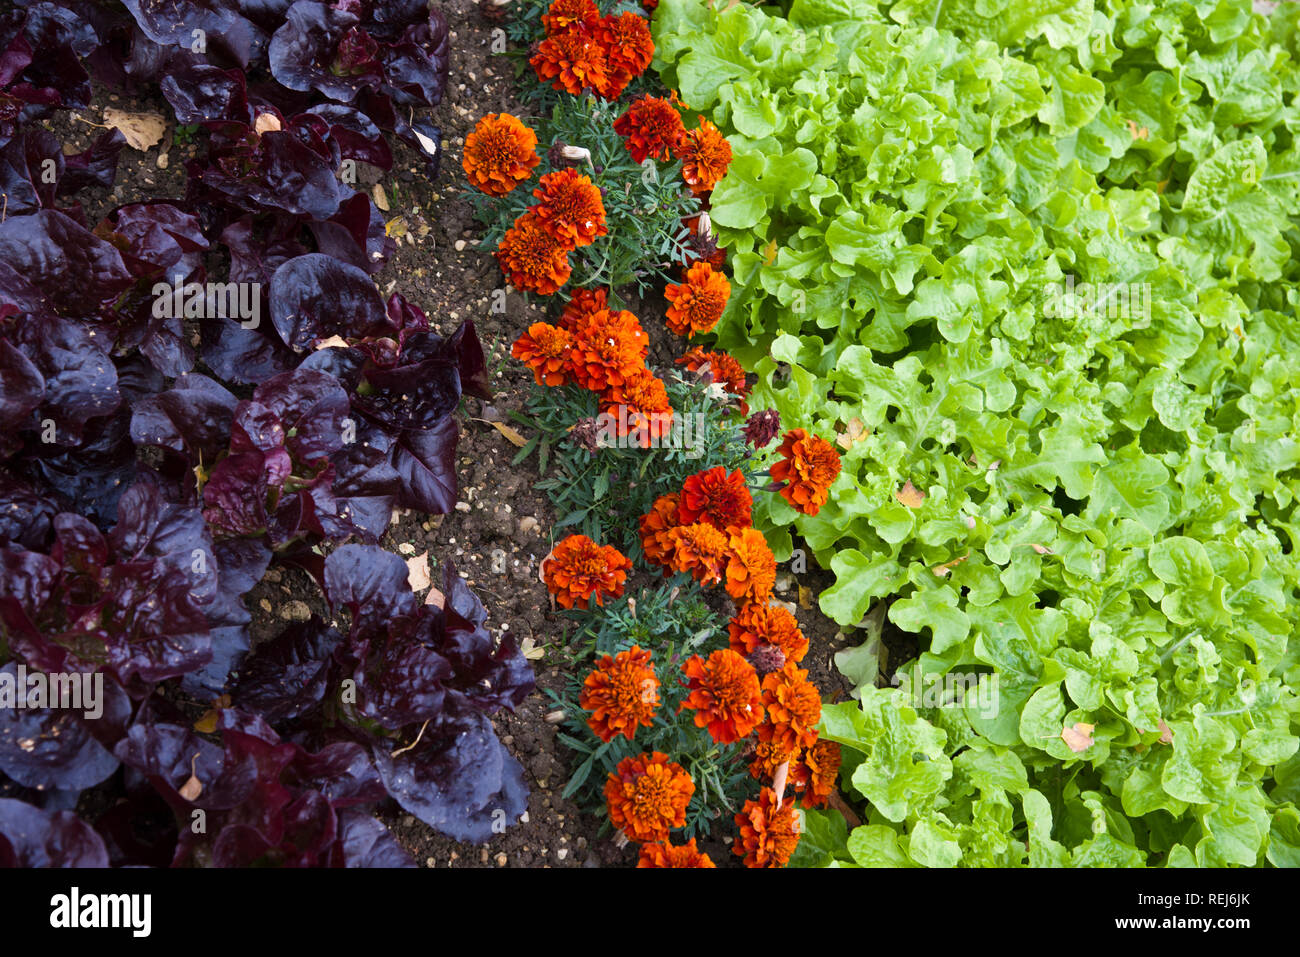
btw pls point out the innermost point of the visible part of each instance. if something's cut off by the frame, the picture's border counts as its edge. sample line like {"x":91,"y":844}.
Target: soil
{"x":501,"y":527}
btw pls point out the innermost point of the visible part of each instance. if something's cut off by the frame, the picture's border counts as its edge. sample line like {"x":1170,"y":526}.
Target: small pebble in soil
{"x":562,"y":853}
{"x":502,"y":859}
{"x":295,"y":611}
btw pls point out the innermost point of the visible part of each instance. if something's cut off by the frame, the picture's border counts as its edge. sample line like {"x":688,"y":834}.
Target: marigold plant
{"x":716,"y":497}
{"x":500,"y":153}
{"x":569,"y":204}
{"x":769,"y":832}
{"x":582,"y":303}
{"x":628,"y":48}
{"x":622,"y":694}
{"x":664,"y":854}
{"x":793,"y":707}
{"x":751,"y":570}
{"x":700,"y":550}
{"x":647,"y":796}
{"x":571,"y":61}
{"x":723,"y":369}
{"x":563,"y":14}
{"x":724,"y":694}
{"x":609,"y":347}
{"x":808,"y":468}
{"x":651,"y":127}
{"x":697,"y":304}
{"x":655,"y":526}
{"x":818,"y":768}
{"x":759,"y":623}
{"x":640,"y":407}
{"x":705,"y":155}
{"x":531,"y":258}
{"x":545,"y":350}
{"x":578,"y":570}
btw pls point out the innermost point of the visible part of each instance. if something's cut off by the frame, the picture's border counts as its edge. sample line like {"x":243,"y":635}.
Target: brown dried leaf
{"x":1078,"y":737}
{"x":910,"y":495}
{"x":380,"y":197}
{"x":417,"y":572}
{"x":193,"y":787}
{"x":511,"y":435}
{"x":1166,"y":733}
{"x":142,"y":130}
{"x":805,"y":598}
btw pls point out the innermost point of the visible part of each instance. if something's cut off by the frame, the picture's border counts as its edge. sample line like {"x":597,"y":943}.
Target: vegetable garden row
{"x":981,"y":309}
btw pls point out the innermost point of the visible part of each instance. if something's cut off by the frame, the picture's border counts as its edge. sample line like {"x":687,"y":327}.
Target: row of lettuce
{"x":195,"y":389}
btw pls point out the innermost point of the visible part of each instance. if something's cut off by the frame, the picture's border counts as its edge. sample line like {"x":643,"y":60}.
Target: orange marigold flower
{"x":500,"y":153}
{"x":715,"y":497}
{"x":640,"y":408}
{"x":608,"y":349}
{"x":705,"y":155}
{"x":768,"y":757}
{"x":699,"y":549}
{"x":664,"y":854}
{"x":583,"y":303}
{"x":565,"y":13}
{"x":655,"y":526}
{"x":751,"y":571}
{"x":768,"y":834}
{"x":647,"y":796}
{"x":793,"y":709}
{"x":809,"y":466}
{"x":722,"y":369}
{"x":578,"y":570}
{"x":650,"y":127}
{"x":531,"y":258}
{"x":724,"y":694}
{"x":571,"y":61}
{"x":621,"y":694}
{"x":696,"y":305}
{"x":545,"y":349}
{"x":759,"y":623}
{"x":628,"y":51}
{"x":818,"y":766}
{"x":569,"y":204}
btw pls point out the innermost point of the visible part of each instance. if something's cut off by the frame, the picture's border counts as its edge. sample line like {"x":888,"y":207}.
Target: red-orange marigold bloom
{"x":608,"y":349}
{"x":793,"y":709}
{"x":621,"y":694}
{"x":655,"y":526}
{"x":628,"y":48}
{"x":715,"y":497}
{"x":578,"y":570}
{"x":758,"y":623}
{"x":699,"y":549}
{"x":664,"y":854}
{"x":569,"y":204}
{"x":768,"y":757}
{"x":640,"y":407}
{"x":572,"y":61}
{"x":768,"y":834}
{"x":697,"y":304}
{"x":819,"y":767}
{"x":809,"y":466}
{"x":565,"y":13}
{"x":751,"y":571}
{"x":724,"y":694}
{"x":500,"y":153}
{"x":647,"y":796}
{"x":705,"y":155}
{"x":530,"y":257}
{"x":650,"y":127}
{"x":722,"y":369}
{"x":583,"y":303}
{"x":545,"y":349}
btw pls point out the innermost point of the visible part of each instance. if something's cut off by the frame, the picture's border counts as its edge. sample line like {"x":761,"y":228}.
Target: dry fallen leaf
{"x":514,"y":437}
{"x":1041,"y":549}
{"x":1078,"y":737}
{"x":910,"y":495}
{"x":532,"y":650}
{"x":855,"y":433}
{"x":769,"y":253}
{"x":417,"y":572}
{"x":805,"y":598}
{"x":193,"y":787}
{"x":395,"y":227}
{"x":266,"y":123}
{"x":946,"y":567}
{"x":332,"y":341}
{"x":142,"y":130}
{"x":435,"y":598}
{"x":1166,"y":733}
{"x":380,"y":197}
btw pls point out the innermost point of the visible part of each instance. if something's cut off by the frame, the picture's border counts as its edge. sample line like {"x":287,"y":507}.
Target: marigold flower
{"x":724,"y":694}
{"x":545,"y":349}
{"x":818,"y":768}
{"x":621,"y":693}
{"x":640,"y":407}
{"x":715,"y":497}
{"x":751,"y":570}
{"x":608,"y":349}
{"x":809,"y":466}
{"x":650,"y":127}
{"x":722,"y":369}
{"x":530,"y":257}
{"x":500,"y":153}
{"x":578,"y":570}
{"x":758,"y":623}
{"x":768,"y":757}
{"x":664,"y":854}
{"x":761,"y":428}
{"x":768,"y":834}
{"x":565,"y":13}
{"x":705,"y":155}
{"x":699,"y":549}
{"x":571,"y":61}
{"x":628,"y":51}
{"x":583,"y":303}
{"x":655,"y":526}
{"x":697,"y":304}
{"x":569,"y":204}
{"x":793,"y":709}
{"x":647,"y":796}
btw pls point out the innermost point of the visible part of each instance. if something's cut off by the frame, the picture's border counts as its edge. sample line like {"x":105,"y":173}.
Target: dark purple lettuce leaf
{"x":96,"y":165}
{"x":314,"y":297}
{"x":208,"y":94}
{"x":31,"y":165}
{"x":426,"y":461}
{"x":242,"y":355}
{"x":191,"y":419}
{"x":371,"y":584}
{"x":342,"y":772}
{"x":172,"y":23}
{"x":489,"y":675}
{"x":364,"y":842}
{"x":302,"y":410}
{"x":355,"y":235}
{"x":400,"y":679}
{"x":80,"y":380}
{"x":30,"y":837}
{"x":54,"y":39}
{"x":21,"y":389}
{"x":415,"y":68}
{"x":26,"y":516}
{"x":461,"y":780}
{"x":357,"y":136}
{"x":321,"y":47}
{"x":241,"y":563}
{"x":289,"y":676}
{"x":365,"y":482}
{"x":162,"y":240}
{"x":78,"y":272}
{"x":139,"y":831}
